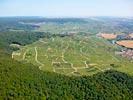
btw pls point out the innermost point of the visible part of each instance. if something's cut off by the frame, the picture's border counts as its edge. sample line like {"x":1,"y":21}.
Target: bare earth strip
{"x":37,"y":59}
{"x":15,"y":54}
{"x":43,"y":41}
{"x":25,"y":53}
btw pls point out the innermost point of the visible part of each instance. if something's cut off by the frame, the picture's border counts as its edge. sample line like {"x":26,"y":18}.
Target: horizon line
{"x":64,"y":16}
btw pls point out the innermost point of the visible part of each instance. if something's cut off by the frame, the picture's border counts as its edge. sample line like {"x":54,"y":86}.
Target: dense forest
{"x":23,"y":81}
{"x":21,"y":38}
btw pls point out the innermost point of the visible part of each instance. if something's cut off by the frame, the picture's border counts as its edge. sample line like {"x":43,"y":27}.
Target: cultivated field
{"x":77,"y":55}
{"x":126,"y":43}
{"x":108,"y":36}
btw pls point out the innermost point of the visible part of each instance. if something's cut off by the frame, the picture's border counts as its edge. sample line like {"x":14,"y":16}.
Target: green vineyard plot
{"x":79,"y":55}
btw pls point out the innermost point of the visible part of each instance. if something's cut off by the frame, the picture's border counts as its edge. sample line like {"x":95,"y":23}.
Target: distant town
{"x":123,"y":40}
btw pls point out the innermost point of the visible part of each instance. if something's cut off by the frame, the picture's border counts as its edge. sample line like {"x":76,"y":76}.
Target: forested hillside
{"x":24,"y":81}
{"x":20,"y":38}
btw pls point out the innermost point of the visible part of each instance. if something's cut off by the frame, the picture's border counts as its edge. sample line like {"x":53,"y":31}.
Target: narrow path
{"x":15,"y":54}
{"x":82,"y":53}
{"x":86,"y":64}
{"x":12,"y":54}
{"x":73,"y":68}
{"x":43,"y":41}
{"x":53,"y":69}
{"x":63,"y":58}
{"x":76,"y":68}
{"x":25,"y":53}
{"x":36,"y":59}
{"x":102,"y":70}
{"x":62,"y":55}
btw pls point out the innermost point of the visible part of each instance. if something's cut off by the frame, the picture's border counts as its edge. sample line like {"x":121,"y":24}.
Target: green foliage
{"x":91,"y":26}
{"x":86,"y":55}
{"x":20,"y":38}
{"x":25,"y":81}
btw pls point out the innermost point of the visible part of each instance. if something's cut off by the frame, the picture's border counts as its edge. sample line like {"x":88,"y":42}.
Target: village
{"x":125,"y":41}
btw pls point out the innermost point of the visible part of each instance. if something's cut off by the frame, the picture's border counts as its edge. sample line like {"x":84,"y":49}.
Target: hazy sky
{"x":68,"y":8}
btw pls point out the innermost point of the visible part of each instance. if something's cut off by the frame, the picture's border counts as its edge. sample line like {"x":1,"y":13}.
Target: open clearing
{"x":108,"y":36}
{"x":79,"y":55}
{"x":126,"y":43}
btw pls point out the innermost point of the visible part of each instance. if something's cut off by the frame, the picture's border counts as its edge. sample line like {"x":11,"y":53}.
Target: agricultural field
{"x":126,"y":43}
{"x":56,"y":28}
{"x":73,"y":55}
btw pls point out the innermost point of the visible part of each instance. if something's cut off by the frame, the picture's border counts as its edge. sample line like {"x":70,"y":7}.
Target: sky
{"x":66,"y":8}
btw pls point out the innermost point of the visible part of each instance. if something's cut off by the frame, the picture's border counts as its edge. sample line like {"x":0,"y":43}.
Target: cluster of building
{"x":128,"y":53}
{"x":123,"y":40}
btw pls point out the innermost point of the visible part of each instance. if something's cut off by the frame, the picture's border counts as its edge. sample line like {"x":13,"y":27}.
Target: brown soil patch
{"x":108,"y":36}
{"x":126,"y":43}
